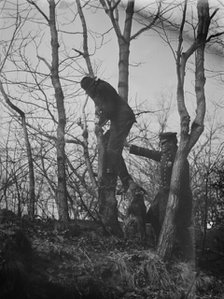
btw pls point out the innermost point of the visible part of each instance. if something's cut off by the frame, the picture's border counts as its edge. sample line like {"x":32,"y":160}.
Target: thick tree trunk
{"x":107,"y":183}
{"x":187,"y":141}
{"x":61,"y":159}
{"x":168,"y":232}
{"x":107,"y":188}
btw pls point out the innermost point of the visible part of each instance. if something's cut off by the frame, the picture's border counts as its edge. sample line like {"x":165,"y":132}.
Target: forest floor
{"x":79,"y":261}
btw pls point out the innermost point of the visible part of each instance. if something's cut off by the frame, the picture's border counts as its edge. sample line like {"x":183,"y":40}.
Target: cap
{"x":86,"y":82}
{"x":168,"y":136}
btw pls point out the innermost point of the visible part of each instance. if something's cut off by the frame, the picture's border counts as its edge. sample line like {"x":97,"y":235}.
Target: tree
{"x":61,"y":194}
{"x":31,"y":203}
{"x":86,"y":56}
{"x":188,"y":136}
{"x":108,"y":201}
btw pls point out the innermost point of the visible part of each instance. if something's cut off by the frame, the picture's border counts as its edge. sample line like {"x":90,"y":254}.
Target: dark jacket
{"x":111,"y":105}
{"x":166,"y":160}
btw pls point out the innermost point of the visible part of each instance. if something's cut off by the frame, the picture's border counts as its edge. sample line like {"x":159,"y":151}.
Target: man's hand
{"x":127,"y":145}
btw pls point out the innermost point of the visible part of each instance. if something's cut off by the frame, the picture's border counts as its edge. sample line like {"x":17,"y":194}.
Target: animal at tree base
{"x":110,"y":106}
{"x":135,"y":221}
{"x":156,"y":212}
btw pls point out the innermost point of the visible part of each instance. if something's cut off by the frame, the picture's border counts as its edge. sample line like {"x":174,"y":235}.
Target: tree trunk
{"x":107,"y":188}
{"x":124,"y":52}
{"x":168,"y":232}
{"x":61,"y":196}
{"x":107,"y":184}
{"x":31,"y":203}
{"x":86,"y":56}
{"x":187,"y":141}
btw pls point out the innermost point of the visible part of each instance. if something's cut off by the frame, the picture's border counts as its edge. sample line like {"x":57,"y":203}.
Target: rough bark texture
{"x":187,"y":140}
{"x":107,"y":189}
{"x":124,"y":39}
{"x":124,"y":51}
{"x":31,"y":204}
{"x":170,"y":226}
{"x":60,"y":144}
{"x":106,"y":197}
{"x":157,"y":209}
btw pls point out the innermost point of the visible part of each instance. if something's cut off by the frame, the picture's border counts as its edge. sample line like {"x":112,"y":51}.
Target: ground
{"x":44,"y":260}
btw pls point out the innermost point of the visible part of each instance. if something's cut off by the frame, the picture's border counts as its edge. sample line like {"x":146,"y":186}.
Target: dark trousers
{"x":114,"y":161}
{"x":119,"y":131}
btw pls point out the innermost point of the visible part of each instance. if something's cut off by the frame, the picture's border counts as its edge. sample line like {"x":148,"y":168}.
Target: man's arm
{"x":145,"y":152}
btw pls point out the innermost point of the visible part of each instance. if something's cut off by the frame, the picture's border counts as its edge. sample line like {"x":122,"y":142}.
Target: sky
{"x":152,"y":66}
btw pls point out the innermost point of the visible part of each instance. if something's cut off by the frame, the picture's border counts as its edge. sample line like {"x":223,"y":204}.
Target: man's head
{"x":87,"y":83}
{"x":167,"y":140}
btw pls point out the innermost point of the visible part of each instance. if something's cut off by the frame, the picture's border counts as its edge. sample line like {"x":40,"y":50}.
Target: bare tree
{"x":188,"y":136}
{"x":61,"y":196}
{"x":84,"y":126}
{"x":125,"y":37}
{"x":31,"y":203}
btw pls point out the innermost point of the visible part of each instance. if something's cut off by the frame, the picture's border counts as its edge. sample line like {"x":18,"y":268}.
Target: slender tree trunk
{"x":124,"y":52}
{"x":61,"y":159}
{"x":31,"y":203}
{"x":86,"y":56}
{"x":187,"y":140}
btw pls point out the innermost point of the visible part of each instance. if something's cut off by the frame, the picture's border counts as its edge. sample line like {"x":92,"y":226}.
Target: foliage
{"x":79,"y":259}
{"x":216,"y":212}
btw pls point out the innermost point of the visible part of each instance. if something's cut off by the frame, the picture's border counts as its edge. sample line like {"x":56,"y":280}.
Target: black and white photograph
{"x":111,"y":149}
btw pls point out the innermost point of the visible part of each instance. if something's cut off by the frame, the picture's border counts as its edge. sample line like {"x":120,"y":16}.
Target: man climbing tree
{"x":110,"y":106}
{"x":157,"y":210}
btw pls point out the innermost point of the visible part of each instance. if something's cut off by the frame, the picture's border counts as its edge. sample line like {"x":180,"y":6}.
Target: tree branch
{"x":18,"y":110}
{"x":38,"y":8}
{"x":110,"y":12}
{"x":85,"y":53}
{"x":149,"y":26}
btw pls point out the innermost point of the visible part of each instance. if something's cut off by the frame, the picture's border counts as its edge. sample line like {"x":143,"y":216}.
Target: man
{"x":157,"y":210}
{"x":110,"y":106}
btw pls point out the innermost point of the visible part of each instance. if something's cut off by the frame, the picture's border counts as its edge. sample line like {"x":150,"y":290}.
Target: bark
{"x":31,"y":209}
{"x":31,"y":203}
{"x":187,"y":140}
{"x":107,"y":198}
{"x":168,"y":232}
{"x":124,"y":51}
{"x":86,"y":56}
{"x":61,"y":196}
{"x":107,"y":188}
{"x":85,"y":39}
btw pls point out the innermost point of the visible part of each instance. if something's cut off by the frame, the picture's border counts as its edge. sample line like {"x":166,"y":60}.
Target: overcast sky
{"x":152,"y":66}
